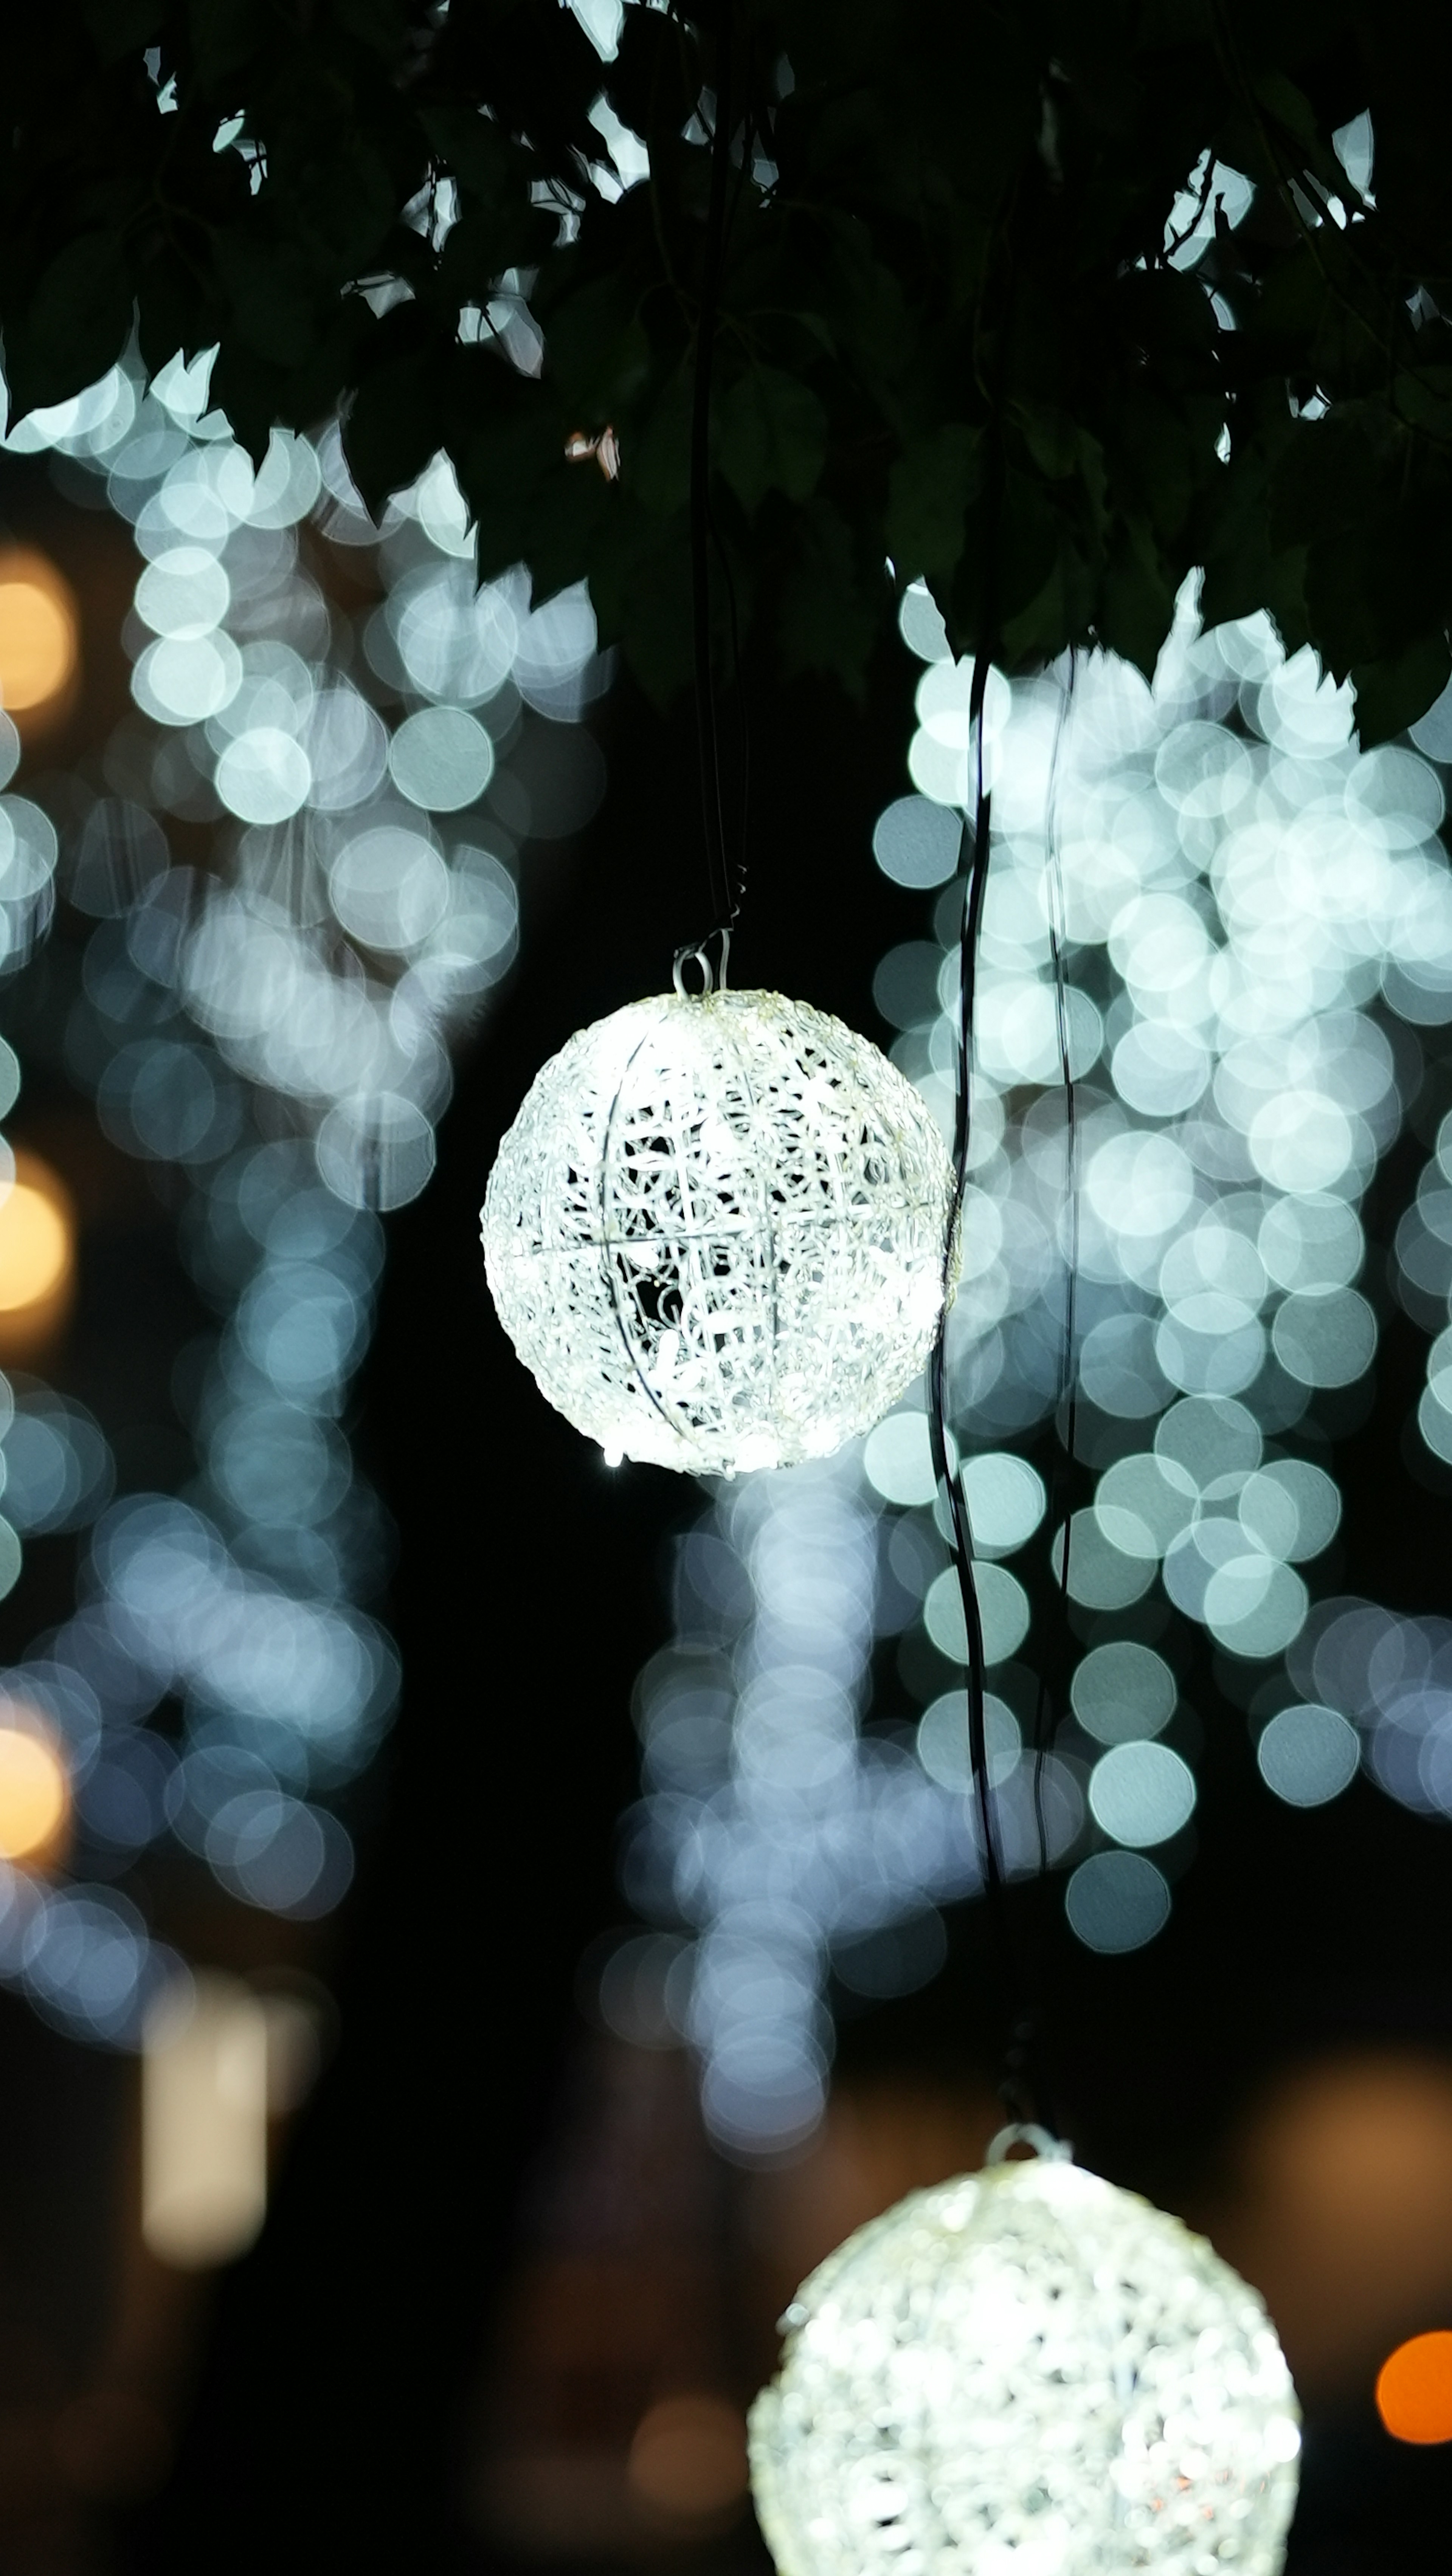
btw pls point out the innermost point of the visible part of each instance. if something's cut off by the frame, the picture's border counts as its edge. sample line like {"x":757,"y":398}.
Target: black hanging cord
{"x":1024,"y":2088}
{"x":743,"y":732}
{"x":1066,"y":1411}
{"x":707,"y":738}
{"x":975,"y":855}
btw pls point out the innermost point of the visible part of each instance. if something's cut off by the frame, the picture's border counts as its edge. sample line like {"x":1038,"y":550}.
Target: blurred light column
{"x":204,"y":2123}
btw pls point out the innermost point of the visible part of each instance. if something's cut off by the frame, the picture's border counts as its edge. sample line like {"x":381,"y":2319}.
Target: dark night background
{"x":330,"y":2417}
{"x":1034,"y":356}
{"x":338,"y":2383}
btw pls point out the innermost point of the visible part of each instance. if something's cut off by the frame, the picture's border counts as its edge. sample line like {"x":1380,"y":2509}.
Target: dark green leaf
{"x":771,"y":436}
{"x":121,"y":27}
{"x":658,"y":466}
{"x":1391,"y":694}
{"x":395,"y":424}
{"x":77,"y":323}
{"x":928,"y":492}
{"x":829,"y":614}
{"x":225,"y":34}
{"x":271,"y":292}
{"x":1138,"y":602}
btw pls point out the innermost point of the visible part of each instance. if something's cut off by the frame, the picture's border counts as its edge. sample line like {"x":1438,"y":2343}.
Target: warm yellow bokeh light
{"x":1414,"y":2390}
{"x":39,"y":633}
{"x":35,"y":1248}
{"x":34,"y":1795}
{"x":37,"y":1256}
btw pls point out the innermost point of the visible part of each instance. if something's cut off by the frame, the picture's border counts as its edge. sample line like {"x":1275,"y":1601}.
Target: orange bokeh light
{"x":39,"y":632}
{"x":37,"y":1256}
{"x":35,"y":1794}
{"x":35,"y":1247}
{"x":1414,"y":2390}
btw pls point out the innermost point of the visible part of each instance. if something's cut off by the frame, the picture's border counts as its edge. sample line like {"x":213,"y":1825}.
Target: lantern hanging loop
{"x":697,"y":952}
{"x":1027,"y":2133}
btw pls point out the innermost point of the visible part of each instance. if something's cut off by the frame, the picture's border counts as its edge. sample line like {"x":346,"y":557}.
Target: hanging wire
{"x":974,"y":858}
{"x":707,"y":731}
{"x":1066,"y":1410}
{"x":743,"y":739}
{"x":737,"y":885}
{"x":1024,"y":2084}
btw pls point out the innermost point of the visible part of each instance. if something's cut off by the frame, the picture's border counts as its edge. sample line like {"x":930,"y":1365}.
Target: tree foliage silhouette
{"x":1046,"y":304}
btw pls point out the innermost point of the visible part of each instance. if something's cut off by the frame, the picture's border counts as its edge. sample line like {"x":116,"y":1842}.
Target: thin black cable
{"x":1069,"y":1391}
{"x":736,"y":880}
{"x":1066,"y":1410}
{"x":737,"y":889}
{"x":707,"y":738}
{"x":976,"y":858}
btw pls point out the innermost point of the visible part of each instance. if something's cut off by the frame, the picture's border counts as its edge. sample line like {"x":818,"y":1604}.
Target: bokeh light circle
{"x":1414,"y":2389}
{"x":34,"y":1792}
{"x":1308,"y":1755}
{"x":264,"y":775}
{"x":37,"y":1243}
{"x":39,"y":632}
{"x":1117,"y":1900}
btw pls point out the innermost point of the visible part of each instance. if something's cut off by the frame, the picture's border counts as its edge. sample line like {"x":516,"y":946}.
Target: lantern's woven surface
{"x":715,"y":1231}
{"x":1026,"y":2372}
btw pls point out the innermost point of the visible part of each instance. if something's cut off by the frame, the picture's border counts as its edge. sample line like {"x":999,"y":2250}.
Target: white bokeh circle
{"x":715,"y":1232}
{"x":1026,"y":2368}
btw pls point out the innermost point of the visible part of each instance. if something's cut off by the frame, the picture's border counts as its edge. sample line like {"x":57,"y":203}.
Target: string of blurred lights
{"x":275,"y":1028}
{"x":1259,"y":926}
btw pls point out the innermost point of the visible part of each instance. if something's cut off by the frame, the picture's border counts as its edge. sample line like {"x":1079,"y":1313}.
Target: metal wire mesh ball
{"x":715,"y":1231}
{"x":1026,"y":2370}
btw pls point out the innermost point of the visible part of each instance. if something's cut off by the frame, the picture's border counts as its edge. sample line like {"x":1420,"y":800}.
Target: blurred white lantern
{"x":715,"y":1231}
{"x":1026,"y":2370}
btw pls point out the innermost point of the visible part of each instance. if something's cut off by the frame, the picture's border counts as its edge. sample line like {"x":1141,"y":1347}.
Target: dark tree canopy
{"x":958,"y":329}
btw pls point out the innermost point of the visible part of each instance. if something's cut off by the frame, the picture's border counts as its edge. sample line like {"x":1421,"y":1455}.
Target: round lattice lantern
{"x":715,"y":1231}
{"x":1026,"y":2368}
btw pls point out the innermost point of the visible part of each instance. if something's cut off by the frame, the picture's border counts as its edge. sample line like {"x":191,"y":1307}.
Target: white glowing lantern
{"x":1026,"y":2372}
{"x":715,"y":1231}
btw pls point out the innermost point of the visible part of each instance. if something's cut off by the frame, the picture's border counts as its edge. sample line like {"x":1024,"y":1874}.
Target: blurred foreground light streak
{"x":204,"y":2123}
